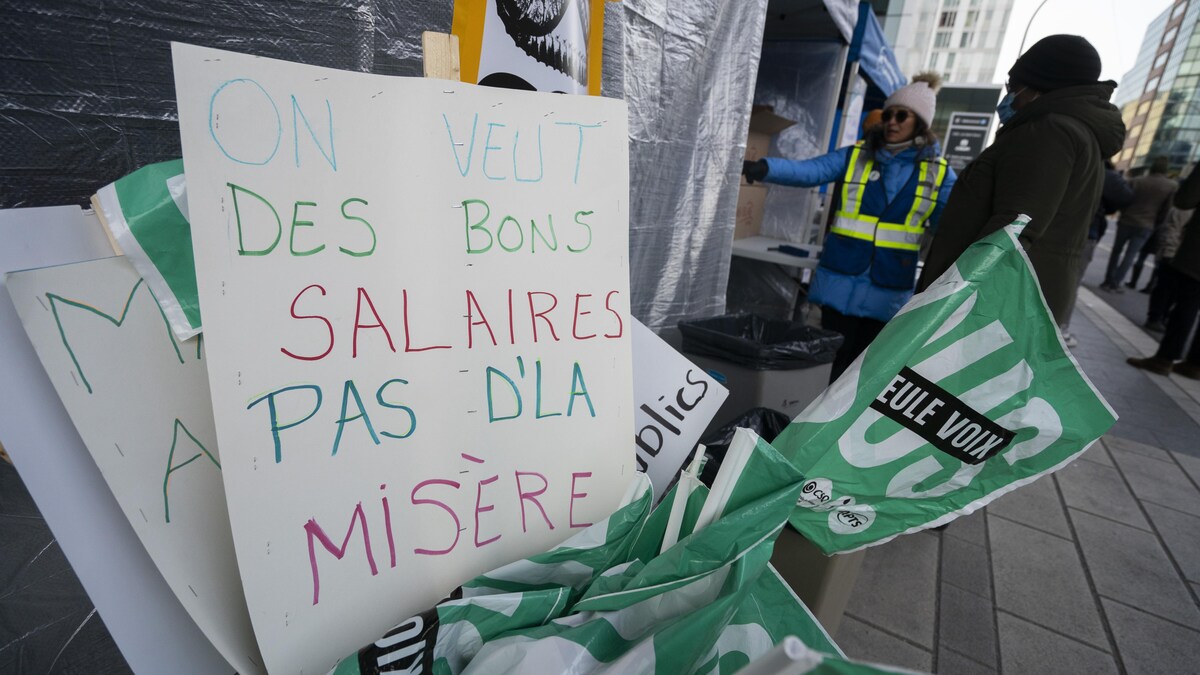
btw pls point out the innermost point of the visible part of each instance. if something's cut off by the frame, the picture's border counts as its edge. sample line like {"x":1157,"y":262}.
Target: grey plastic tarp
{"x":87,"y":96}
{"x":689,"y":75}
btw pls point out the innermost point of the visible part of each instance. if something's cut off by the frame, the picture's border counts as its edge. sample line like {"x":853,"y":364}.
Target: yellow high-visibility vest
{"x":849,"y":221}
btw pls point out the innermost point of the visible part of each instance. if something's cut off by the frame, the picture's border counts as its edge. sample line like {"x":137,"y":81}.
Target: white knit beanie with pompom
{"x":919,"y":97}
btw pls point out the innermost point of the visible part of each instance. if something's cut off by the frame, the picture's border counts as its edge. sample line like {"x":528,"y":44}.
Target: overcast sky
{"x":1115,"y":27}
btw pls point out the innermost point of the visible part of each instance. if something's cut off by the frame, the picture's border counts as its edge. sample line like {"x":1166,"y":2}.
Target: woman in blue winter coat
{"x":892,"y":188}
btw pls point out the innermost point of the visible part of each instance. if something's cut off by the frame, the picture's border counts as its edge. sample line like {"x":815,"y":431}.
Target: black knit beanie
{"x":1057,"y":61}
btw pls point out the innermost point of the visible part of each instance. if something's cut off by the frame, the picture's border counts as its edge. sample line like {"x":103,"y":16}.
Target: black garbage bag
{"x":762,"y":344}
{"x":765,"y":422}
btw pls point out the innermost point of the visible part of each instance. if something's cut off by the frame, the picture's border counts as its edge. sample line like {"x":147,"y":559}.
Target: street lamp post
{"x":1021,"y":49}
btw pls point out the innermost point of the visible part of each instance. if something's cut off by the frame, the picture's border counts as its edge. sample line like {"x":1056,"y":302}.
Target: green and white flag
{"x":967,"y":394}
{"x":146,"y":213}
{"x":608,"y":600}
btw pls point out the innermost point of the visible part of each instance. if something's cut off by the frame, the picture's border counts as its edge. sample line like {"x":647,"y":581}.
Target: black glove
{"x":754,"y":171}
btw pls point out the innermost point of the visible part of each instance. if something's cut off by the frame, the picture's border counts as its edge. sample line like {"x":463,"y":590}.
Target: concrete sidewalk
{"x":1095,"y":569}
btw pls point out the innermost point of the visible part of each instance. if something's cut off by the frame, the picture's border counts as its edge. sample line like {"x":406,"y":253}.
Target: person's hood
{"x":1087,"y":103}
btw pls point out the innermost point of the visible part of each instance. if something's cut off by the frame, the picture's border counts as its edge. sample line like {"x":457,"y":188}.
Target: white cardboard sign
{"x":145,"y":618}
{"x":139,"y":399}
{"x":415,"y":302}
{"x":675,"y":402}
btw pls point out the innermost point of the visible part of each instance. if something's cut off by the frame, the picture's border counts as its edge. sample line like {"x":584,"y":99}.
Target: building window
{"x":964,"y":40}
{"x":950,"y":61}
{"x":1152,"y":85}
{"x":933,"y":60}
{"x":1178,"y":9}
{"x":1167,"y":37}
{"x":970,"y":19}
{"x":1162,"y":58}
{"x":942,"y":39}
{"x":950,"y":4}
{"x":947,"y":19}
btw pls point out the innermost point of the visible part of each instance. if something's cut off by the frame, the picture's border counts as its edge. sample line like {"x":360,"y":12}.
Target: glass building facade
{"x":1160,"y":96}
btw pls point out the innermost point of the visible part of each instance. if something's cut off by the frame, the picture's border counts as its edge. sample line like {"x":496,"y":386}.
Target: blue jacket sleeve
{"x":943,"y":196}
{"x":807,"y":172}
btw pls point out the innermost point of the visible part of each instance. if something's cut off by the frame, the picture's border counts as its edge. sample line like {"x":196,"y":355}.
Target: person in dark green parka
{"x":1047,"y":162}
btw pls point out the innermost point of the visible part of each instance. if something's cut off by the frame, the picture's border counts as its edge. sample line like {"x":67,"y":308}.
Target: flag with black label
{"x":967,"y":394}
{"x":686,"y":588}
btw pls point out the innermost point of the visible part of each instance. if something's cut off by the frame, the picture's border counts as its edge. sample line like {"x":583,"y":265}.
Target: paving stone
{"x":1036,"y":505}
{"x":1180,"y":436}
{"x":1100,"y":490}
{"x":970,"y":528}
{"x":1160,"y":414}
{"x":1150,"y":645}
{"x":1158,"y":482}
{"x":1026,"y":648}
{"x":1191,"y":465}
{"x":967,"y":625}
{"x":951,"y":663}
{"x":1128,"y":445}
{"x":1181,"y":532}
{"x":1039,"y":577}
{"x":1130,"y":565}
{"x":897,"y":588}
{"x":1119,"y":403}
{"x":1127,"y":430}
{"x":863,"y":642}
{"x":966,"y":566}
{"x":1097,"y":454}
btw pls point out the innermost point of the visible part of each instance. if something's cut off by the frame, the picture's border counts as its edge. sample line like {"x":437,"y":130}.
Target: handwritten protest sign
{"x":140,"y":400}
{"x":415,"y":299}
{"x":146,"y":619}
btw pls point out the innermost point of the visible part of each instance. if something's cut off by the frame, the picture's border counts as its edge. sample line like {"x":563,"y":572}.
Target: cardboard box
{"x":751,"y":199}
{"x":823,"y":582}
{"x":788,"y":391}
{"x":764,"y":124}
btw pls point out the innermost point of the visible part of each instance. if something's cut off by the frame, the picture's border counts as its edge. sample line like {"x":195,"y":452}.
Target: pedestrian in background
{"x":1148,"y":249}
{"x":1047,"y":162}
{"x":1113,"y":197}
{"x":1162,"y":291}
{"x":1152,"y":195}
{"x":893,"y":187}
{"x":1184,"y":273}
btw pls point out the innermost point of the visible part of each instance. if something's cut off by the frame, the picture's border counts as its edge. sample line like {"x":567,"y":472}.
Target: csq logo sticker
{"x":815,"y":492}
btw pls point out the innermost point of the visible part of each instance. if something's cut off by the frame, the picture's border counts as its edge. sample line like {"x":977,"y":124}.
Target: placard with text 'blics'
{"x":415,"y":300}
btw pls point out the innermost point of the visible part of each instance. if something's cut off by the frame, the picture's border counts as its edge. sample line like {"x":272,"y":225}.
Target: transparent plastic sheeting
{"x":800,"y":81}
{"x":689,"y":77}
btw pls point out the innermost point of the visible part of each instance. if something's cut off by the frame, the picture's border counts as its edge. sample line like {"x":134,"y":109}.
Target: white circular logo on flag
{"x":815,"y":492}
{"x":851,"y":518}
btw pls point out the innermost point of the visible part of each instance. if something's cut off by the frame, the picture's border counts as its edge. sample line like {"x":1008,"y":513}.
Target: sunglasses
{"x":900,"y":115}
